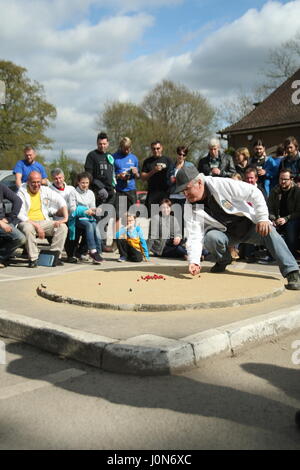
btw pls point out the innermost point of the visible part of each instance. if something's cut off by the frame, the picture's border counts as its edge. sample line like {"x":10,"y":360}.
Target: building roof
{"x":276,"y":110}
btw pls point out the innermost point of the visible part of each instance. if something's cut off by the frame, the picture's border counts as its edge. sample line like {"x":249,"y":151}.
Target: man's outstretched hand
{"x":263,"y":228}
{"x":194,"y":269}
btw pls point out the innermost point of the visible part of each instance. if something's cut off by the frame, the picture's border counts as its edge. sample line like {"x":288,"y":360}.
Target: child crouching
{"x":130,"y":241}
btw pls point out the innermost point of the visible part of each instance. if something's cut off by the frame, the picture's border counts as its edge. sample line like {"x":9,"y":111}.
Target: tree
{"x":170,"y":112}
{"x":25,"y":116}
{"x":283,"y":62}
{"x":178,"y":116}
{"x":68,"y":165}
{"x":234,"y":109}
{"x":124,"y":119}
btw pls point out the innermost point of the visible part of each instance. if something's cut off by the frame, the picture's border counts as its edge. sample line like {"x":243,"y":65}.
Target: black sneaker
{"x":293,"y":279}
{"x":59,"y":263}
{"x":219,"y":267}
{"x":97,"y":259}
{"x":71,"y":259}
{"x":33,"y":263}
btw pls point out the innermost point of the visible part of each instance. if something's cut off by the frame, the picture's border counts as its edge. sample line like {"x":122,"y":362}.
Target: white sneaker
{"x":85,"y":258}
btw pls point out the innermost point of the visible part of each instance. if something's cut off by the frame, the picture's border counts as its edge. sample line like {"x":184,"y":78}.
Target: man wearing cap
{"x":220,"y":215}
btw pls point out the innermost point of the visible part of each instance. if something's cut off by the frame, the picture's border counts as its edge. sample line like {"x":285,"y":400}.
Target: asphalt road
{"x":244,"y":402}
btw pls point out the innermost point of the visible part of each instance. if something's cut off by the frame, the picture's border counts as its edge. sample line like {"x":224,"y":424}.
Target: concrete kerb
{"x":54,"y":297}
{"x":68,"y":342}
{"x":147,"y":354}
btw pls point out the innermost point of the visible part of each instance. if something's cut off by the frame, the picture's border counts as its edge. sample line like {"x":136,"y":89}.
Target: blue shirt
{"x":272,"y":173}
{"x":124,"y":163}
{"x":25,"y":169}
{"x":136,"y":237}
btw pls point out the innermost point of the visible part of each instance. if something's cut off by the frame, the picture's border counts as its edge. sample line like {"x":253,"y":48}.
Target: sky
{"x":87,"y":53}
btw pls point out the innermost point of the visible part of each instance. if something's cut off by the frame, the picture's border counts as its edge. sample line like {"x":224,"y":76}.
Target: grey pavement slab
{"x":138,"y":342}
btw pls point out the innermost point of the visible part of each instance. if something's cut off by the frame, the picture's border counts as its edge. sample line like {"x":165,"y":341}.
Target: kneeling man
{"x":39,"y":204}
{"x":225,"y":212}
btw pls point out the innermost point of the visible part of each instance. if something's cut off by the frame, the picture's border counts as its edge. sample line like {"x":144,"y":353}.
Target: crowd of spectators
{"x":68,"y":216}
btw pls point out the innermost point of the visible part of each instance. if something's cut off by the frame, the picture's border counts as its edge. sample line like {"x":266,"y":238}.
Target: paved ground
{"x":244,"y":402}
{"x":18,"y":296}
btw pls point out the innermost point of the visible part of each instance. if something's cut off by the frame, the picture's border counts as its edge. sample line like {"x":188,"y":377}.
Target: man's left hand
{"x":263,"y":228}
{"x":5,"y":226}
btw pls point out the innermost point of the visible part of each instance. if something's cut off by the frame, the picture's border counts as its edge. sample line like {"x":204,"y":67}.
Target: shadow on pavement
{"x":177,"y":393}
{"x":181,"y":272}
{"x":287,"y":380}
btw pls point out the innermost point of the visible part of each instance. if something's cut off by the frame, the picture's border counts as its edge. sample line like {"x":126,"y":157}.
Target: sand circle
{"x":159,"y":288}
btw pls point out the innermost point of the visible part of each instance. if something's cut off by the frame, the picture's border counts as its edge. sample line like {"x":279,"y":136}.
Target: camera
{"x":129,"y":174}
{"x":162,"y":166}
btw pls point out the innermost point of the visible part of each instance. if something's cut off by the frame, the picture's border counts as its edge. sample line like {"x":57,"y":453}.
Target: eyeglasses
{"x":181,"y":154}
{"x":284,"y":179}
{"x":156,"y":148}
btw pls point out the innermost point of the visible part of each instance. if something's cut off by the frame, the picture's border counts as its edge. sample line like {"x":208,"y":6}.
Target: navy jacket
{"x":6,"y":193}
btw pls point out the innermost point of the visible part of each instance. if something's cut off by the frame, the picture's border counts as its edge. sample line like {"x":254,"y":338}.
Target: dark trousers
{"x":174,"y":251}
{"x":73,"y":248}
{"x":155,"y":197}
{"x":127,"y":251}
{"x":290,"y":232}
{"x":130,"y":200}
{"x":9,"y":242}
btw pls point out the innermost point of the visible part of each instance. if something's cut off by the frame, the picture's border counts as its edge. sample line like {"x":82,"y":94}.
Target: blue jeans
{"x":9,"y":242}
{"x":217,"y":244}
{"x":93,"y":239}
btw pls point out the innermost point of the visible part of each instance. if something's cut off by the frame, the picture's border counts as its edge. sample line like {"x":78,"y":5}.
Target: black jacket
{"x":6,"y":193}
{"x":293,"y":203}
{"x":102,"y":171}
